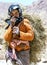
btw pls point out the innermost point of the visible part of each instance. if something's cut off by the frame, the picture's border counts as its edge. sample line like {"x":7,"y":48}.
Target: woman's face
{"x":14,"y":13}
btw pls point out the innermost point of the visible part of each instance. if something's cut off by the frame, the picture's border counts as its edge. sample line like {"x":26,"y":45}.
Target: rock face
{"x":37,"y":6}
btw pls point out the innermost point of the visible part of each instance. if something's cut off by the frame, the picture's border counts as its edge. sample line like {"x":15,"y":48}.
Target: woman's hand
{"x":16,"y":32}
{"x":13,"y":20}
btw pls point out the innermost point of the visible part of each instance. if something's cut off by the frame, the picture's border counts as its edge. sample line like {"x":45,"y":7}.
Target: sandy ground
{"x":3,"y":62}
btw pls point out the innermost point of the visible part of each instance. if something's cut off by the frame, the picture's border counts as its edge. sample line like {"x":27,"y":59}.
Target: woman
{"x":20,"y":38}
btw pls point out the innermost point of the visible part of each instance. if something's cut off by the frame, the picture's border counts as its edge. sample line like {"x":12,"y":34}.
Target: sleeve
{"x":29,"y":35}
{"x":8,"y":35}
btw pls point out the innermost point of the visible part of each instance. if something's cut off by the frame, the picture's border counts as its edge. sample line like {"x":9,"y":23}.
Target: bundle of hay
{"x":39,"y":39}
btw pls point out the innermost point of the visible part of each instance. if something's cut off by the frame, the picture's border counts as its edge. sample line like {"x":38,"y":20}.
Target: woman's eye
{"x":11,"y":14}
